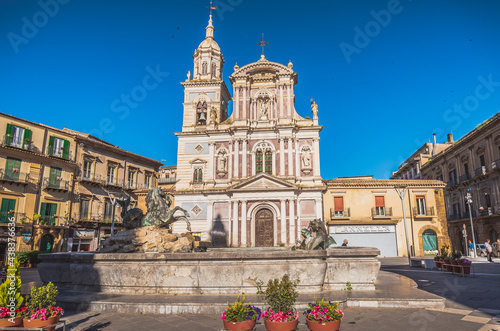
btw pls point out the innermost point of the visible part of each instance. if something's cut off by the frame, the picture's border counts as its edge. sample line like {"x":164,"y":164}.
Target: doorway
{"x":264,"y":231}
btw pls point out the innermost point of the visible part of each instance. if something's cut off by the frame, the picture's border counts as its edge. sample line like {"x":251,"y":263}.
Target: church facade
{"x":251,"y":178}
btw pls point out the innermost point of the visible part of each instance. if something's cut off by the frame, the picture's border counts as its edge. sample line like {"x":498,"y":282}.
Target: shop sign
{"x":365,"y":229}
{"x":84,"y":233}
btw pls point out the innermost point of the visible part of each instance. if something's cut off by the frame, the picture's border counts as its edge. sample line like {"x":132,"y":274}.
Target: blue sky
{"x":385,"y":74}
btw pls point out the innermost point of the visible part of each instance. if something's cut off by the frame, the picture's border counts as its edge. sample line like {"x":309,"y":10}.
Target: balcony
{"x":454,"y":217}
{"x":464,"y":178}
{"x":18,"y":142}
{"x":495,"y":165}
{"x":143,"y":187}
{"x":346,"y":214}
{"x":131,"y":186}
{"x":467,"y":214}
{"x":18,"y":217}
{"x":100,"y":218}
{"x":92,"y":179}
{"x":14,"y":176}
{"x":382,"y":213}
{"x":451,"y":183}
{"x":486,"y":211}
{"x":167,"y":180}
{"x":480,"y":171}
{"x":56,"y":183}
{"x":47,"y":220}
{"x":428,"y":212}
{"x":60,"y":154}
{"x":113,"y":182}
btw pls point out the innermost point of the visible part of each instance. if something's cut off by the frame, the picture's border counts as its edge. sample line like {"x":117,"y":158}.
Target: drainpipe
{"x":434,"y":145}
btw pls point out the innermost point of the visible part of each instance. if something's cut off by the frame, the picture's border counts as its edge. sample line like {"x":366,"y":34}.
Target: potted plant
{"x":280,"y":296}
{"x":10,"y":298}
{"x":240,"y":316}
{"x":41,"y":310}
{"x":466,"y":266}
{"x":323,"y":315}
{"x":442,"y":254}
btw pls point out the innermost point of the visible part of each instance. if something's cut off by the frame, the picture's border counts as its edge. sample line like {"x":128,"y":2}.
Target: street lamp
{"x":468,"y":198}
{"x":401,"y":190}
{"x":113,"y":203}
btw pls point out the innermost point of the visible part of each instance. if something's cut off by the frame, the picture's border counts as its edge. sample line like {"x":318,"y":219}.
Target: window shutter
{"x":8,"y":132}
{"x":379,"y":202}
{"x":9,"y":166}
{"x":43,"y":209}
{"x":27,"y":136}
{"x":65,"y":152}
{"x":338,"y":203}
{"x":53,"y":211}
{"x":51,"y":146}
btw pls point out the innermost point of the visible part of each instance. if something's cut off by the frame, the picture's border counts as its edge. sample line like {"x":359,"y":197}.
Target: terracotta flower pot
{"x":449,"y":267}
{"x":4,"y":322}
{"x":281,"y":326}
{"x":466,"y":269}
{"x":457,"y":269}
{"x":239,"y":326}
{"x":325,"y":326}
{"x":27,"y":323}
{"x":438,"y":263}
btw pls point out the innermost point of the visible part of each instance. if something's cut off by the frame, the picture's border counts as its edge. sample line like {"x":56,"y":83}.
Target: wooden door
{"x":264,"y":231}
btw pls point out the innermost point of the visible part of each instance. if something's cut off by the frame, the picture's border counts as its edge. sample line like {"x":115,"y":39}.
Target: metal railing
{"x":480,"y":171}
{"x":451,"y":183}
{"x":464,"y":177}
{"x":14,"y":176}
{"x":385,"y":212}
{"x":423,"y":212}
{"x":56,"y":183}
{"x":113,"y":182}
{"x":340,"y":214}
{"x":495,"y":165}
{"x":5,"y":216}
{"x":486,"y":211}
{"x":167,"y":180}
{"x":47,"y":220}
{"x":90,"y":178}
{"x":100,"y":217}
{"x":18,"y":142}
{"x":59,"y":153}
{"x":453,"y":217}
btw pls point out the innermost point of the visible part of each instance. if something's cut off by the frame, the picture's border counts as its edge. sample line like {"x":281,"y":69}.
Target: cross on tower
{"x":211,"y":8}
{"x":263,"y":44}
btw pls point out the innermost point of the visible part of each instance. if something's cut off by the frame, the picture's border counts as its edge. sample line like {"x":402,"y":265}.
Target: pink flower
{"x":341,"y":313}
{"x":2,"y":315}
{"x":43,"y":317}
{"x":325,"y":309}
{"x":327,"y":317}
{"x":33,"y":316}
{"x":55,"y":313}
{"x":265,"y":314}
{"x":223,"y":315}
{"x":43,"y":311}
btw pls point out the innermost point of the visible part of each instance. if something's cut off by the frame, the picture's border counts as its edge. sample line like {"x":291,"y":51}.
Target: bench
{"x":423,"y":262}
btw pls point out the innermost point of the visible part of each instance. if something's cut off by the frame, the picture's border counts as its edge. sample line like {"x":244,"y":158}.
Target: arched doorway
{"x":46,"y":243}
{"x":429,"y":240}
{"x":264,"y":231}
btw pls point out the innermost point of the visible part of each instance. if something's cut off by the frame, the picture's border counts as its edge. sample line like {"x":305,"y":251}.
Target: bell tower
{"x":206,"y":96}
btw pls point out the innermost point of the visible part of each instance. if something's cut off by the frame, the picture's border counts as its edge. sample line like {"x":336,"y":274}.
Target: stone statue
{"x":222,"y":163}
{"x":306,"y":159}
{"x":264,"y":107}
{"x":320,"y":240}
{"x":213,"y":115}
{"x":314,"y":108}
{"x":159,"y":212}
{"x":189,"y":75}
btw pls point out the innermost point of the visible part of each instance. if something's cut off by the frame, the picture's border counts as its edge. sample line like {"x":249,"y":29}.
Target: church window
{"x":214,"y":70}
{"x":269,"y":162}
{"x":201,"y":113}
{"x":198,"y":176}
{"x":204,"y":68}
{"x":258,"y":162}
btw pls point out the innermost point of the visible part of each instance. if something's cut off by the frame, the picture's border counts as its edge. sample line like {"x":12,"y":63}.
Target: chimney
{"x":450,"y":137}
{"x":434,"y":145}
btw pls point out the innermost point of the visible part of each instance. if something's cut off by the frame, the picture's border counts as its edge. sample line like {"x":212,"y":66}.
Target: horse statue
{"x":321,"y":239}
{"x":159,"y":212}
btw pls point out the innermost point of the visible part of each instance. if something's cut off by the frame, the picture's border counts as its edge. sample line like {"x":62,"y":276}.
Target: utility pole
{"x":468,"y":198}
{"x":401,"y":190}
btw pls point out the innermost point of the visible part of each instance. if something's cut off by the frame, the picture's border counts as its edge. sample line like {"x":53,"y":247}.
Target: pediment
{"x":263,"y":182}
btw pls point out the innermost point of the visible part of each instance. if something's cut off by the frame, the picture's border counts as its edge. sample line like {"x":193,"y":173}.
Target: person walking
{"x":345,"y":242}
{"x":489,"y":250}
{"x":471,"y":248}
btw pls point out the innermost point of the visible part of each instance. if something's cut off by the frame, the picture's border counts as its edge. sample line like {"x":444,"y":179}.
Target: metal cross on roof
{"x":211,"y":8}
{"x":263,"y":44}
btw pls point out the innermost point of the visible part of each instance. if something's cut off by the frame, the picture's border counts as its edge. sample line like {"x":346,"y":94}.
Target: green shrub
{"x":7,"y":291}
{"x":22,"y":257}
{"x":279,"y":295}
{"x":42,"y":297}
{"x":33,"y":257}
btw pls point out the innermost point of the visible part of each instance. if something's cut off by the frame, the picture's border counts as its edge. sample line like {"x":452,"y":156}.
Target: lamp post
{"x":468,"y":198}
{"x":401,"y":190}
{"x":113,"y":203}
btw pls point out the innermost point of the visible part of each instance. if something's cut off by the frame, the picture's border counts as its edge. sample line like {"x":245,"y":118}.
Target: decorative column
{"x":245,"y":116}
{"x":291,"y":212}
{"x":235,"y":223}
{"x":316,"y":157}
{"x":229,"y":224}
{"x":244,"y":164}
{"x":236,"y":158}
{"x":282,"y":157}
{"x":290,"y":159}
{"x":283,"y":220}
{"x":273,"y":163}
{"x":230,"y":167}
{"x":281,"y":101}
{"x":253,"y":164}
{"x":210,"y":217}
{"x":289,"y":99}
{"x":211,"y":161}
{"x":297,"y":160}
{"x":237,"y":102}
{"x":243,"y":223}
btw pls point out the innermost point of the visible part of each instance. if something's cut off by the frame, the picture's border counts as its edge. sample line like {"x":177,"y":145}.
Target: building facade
{"x":368,"y":212}
{"x":471,"y":165}
{"x":53,"y":181}
{"x":251,"y":178}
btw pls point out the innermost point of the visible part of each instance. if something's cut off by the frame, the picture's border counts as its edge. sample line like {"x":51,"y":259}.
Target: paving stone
{"x":476,"y":319}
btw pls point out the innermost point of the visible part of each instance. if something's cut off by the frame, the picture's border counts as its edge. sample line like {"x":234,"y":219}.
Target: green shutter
{"x":65,"y":152}
{"x":53,"y":211}
{"x":51,"y":146}
{"x":7,"y":205}
{"x":27,"y":137}
{"x":43,"y":212}
{"x":9,"y":169}
{"x":8,"y":139}
{"x":54,"y":173}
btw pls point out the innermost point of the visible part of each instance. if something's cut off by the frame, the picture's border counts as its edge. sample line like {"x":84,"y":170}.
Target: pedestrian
{"x":489,"y":250}
{"x":497,"y":247}
{"x":471,"y":248}
{"x":345,"y":242}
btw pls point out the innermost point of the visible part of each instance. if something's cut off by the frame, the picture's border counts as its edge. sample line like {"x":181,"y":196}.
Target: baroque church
{"x":251,"y":178}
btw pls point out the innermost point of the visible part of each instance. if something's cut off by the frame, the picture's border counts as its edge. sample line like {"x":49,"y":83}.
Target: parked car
{"x":480,"y":250}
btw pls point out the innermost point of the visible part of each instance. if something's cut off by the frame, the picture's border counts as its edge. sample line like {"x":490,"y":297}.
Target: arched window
{"x":214,"y":70}
{"x":258,"y":161}
{"x":46,"y":243}
{"x":198,"y":175}
{"x":204,"y":68}
{"x":201,"y":113}
{"x":429,"y":240}
{"x":269,"y":162}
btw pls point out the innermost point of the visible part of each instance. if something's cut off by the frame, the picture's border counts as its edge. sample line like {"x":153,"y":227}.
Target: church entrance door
{"x":264,"y":231}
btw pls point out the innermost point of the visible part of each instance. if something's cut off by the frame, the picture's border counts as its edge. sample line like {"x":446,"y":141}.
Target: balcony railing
{"x":453,"y":217}
{"x":113,"y":182}
{"x":143,"y":187}
{"x":495,"y":165}
{"x":100,"y":217}
{"x":463,"y":178}
{"x":340,"y":214}
{"x":56,"y":184}
{"x":131,"y":186}
{"x":14,"y":176}
{"x":47,"y":220}
{"x":480,"y":171}
{"x":90,"y":178}
{"x":417,"y":212}
{"x":467,"y":215}
{"x":385,"y":212}
{"x":60,"y":154}
{"x":486,"y":211}
{"x":18,"y":142}
{"x":6,"y":216}
{"x":167,"y":180}
{"x":451,"y":183}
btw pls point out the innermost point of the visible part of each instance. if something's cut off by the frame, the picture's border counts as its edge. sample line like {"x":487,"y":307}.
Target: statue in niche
{"x":314,"y":108}
{"x":264,"y":107}
{"x":222,"y":163}
{"x":213,"y":115}
{"x":306,"y":159}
